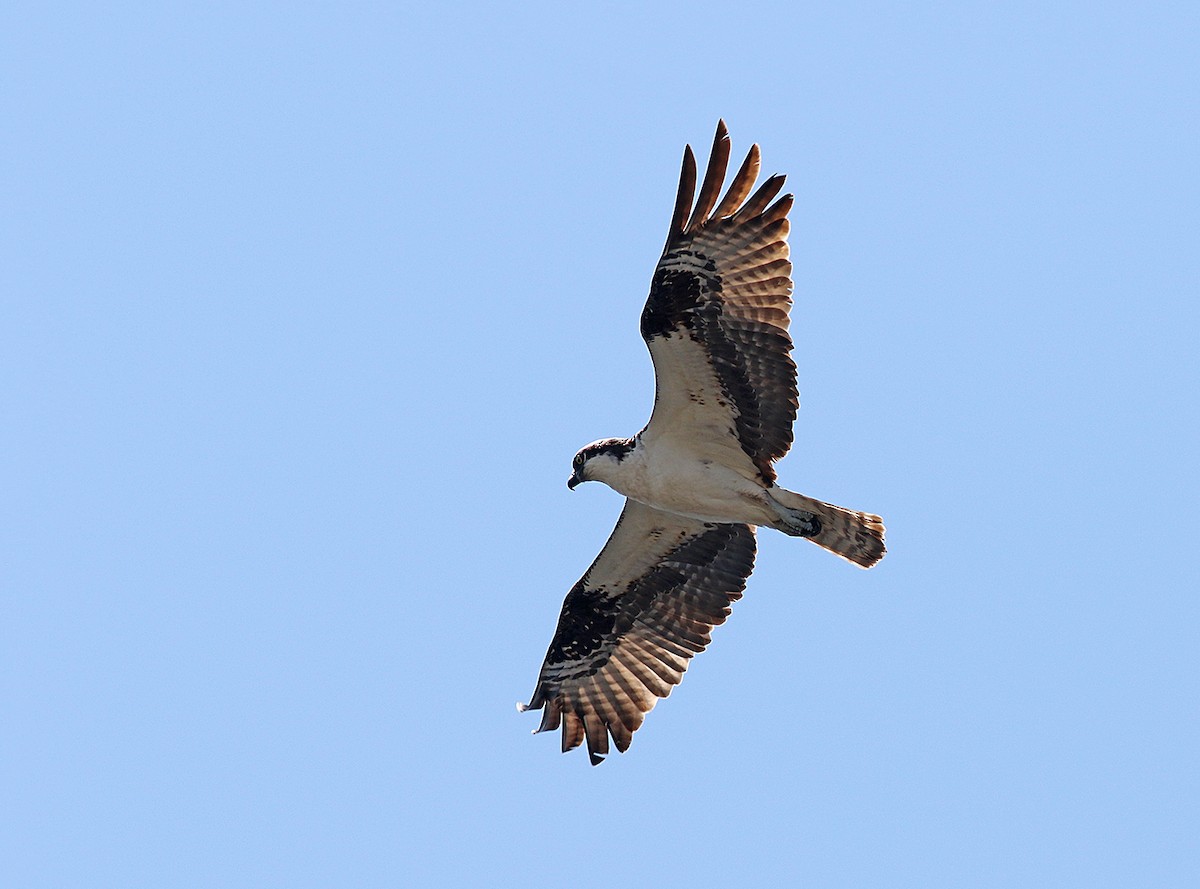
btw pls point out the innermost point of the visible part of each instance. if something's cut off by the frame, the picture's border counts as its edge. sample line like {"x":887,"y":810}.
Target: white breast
{"x":677,"y":479}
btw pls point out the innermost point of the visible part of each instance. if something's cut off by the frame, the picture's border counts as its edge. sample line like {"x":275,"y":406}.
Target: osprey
{"x":699,"y":477}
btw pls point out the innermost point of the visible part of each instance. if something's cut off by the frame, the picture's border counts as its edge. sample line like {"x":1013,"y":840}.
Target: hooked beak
{"x":574,"y":480}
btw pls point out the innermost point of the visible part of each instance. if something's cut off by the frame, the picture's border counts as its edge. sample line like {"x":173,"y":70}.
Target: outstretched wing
{"x":629,"y":626}
{"x":716,"y":321}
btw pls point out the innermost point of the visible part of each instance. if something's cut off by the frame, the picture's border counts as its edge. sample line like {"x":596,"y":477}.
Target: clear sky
{"x":307,"y":307}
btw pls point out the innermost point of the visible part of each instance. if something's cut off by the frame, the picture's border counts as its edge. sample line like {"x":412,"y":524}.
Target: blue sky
{"x":305,"y":310}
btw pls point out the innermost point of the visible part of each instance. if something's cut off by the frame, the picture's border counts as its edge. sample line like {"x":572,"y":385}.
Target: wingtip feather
{"x":683,"y":197}
{"x":761,"y":198}
{"x":714,"y":177}
{"x":742,"y":182}
{"x":779,"y":209}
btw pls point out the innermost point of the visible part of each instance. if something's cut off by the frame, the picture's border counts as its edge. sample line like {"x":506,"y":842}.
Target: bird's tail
{"x":855,"y":536}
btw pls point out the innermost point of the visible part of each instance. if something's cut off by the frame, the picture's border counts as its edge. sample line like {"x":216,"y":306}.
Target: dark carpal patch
{"x":675,"y":294}
{"x":750,"y":359}
{"x":585,"y":624}
{"x":695,"y":580}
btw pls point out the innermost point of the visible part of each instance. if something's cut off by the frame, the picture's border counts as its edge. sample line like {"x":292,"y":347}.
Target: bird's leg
{"x":794,"y":522}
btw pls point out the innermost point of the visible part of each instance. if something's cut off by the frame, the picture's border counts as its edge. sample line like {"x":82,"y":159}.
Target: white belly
{"x":700,"y":488}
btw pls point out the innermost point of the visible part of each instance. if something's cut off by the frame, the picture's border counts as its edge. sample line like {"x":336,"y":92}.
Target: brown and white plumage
{"x":700,"y":475}
{"x":632,"y":622}
{"x":716,"y":321}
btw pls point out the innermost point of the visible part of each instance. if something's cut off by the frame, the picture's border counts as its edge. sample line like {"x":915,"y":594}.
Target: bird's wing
{"x":716,"y":321}
{"x":629,"y":626}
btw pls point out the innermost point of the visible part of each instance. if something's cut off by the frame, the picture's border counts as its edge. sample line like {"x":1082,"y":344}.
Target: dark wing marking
{"x":632,"y":622}
{"x":716,"y":321}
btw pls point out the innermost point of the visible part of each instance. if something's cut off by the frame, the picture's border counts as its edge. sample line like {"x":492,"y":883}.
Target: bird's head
{"x":594,"y":462}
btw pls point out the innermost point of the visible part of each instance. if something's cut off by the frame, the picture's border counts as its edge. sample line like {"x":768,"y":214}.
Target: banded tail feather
{"x":855,"y":536}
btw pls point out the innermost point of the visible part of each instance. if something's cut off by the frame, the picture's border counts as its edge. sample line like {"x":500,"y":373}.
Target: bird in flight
{"x":699,"y":477}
